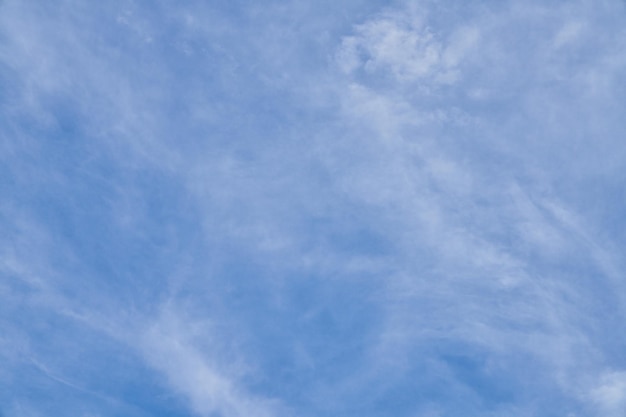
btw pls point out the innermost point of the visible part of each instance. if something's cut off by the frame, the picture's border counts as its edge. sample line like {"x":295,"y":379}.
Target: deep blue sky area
{"x":410,"y":208}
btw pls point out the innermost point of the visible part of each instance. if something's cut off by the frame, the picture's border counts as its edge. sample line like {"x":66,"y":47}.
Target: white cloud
{"x":403,"y":45}
{"x":452,"y":144}
{"x":492,"y":226}
{"x":168,"y":346}
{"x":610,"y":394}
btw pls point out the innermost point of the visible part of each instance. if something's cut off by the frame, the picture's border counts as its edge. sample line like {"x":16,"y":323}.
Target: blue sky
{"x":312,"y":208}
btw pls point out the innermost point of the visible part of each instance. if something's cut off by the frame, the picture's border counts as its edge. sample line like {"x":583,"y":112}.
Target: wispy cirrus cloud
{"x":492,"y":213}
{"x":224,"y":209}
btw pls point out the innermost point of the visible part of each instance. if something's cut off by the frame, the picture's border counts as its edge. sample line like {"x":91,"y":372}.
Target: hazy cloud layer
{"x":408,"y":208}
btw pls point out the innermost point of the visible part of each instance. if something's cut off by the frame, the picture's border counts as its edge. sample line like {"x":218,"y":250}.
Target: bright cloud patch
{"x":403,"y":45}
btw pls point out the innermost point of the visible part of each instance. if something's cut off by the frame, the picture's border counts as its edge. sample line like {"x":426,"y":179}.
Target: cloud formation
{"x":406,"y":208}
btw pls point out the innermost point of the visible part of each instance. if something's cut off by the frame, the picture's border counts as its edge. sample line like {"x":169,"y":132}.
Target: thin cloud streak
{"x":380,"y":210}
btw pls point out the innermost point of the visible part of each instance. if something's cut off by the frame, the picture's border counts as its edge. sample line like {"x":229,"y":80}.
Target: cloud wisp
{"x":369,"y":208}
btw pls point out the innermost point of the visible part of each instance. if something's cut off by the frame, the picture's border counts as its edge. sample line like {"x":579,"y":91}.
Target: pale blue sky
{"x":313,"y":208}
